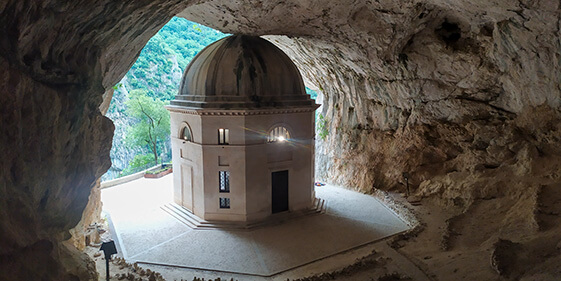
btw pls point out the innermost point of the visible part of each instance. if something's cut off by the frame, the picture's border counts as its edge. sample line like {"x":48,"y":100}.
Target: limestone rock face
{"x":394,"y":69}
{"x":462,"y":95}
{"x":53,"y":148}
{"x":57,"y":58}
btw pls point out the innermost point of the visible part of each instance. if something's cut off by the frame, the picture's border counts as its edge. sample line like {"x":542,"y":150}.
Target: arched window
{"x":186,"y":133}
{"x":279,"y":134}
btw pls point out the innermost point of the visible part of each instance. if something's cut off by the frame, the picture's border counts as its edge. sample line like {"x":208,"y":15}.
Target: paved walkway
{"x":147,"y":234}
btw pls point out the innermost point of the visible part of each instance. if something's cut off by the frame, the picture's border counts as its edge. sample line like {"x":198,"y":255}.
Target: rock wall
{"x":390,"y":72}
{"x":56,"y":60}
{"x":433,"y":65}
{"x":462,"y":95}
{"x":92,"y":212}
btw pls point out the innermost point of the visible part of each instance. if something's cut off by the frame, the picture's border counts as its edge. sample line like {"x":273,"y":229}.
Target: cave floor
{"x":146,"y":234}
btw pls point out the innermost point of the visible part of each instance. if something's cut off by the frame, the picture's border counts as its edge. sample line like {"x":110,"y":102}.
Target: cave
{"x":475,"y":127}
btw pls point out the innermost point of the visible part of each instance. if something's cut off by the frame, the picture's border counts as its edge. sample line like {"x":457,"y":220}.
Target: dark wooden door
{"x":280,"y":191}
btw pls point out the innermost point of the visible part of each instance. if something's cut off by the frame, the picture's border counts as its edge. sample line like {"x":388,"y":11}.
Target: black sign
{"x":108,"y":249}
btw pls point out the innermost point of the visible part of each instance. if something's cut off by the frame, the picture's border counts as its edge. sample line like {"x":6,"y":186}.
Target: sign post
{"x":108,"y":249}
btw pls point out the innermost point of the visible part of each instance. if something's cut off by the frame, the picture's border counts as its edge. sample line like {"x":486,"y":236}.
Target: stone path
{"x":149,"y":235}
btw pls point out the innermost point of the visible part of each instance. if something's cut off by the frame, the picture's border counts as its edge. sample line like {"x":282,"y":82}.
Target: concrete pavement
{"x":147,"y":234}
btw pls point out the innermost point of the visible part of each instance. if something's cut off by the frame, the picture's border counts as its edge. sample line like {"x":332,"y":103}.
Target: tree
{"x":151,"y":128}
{"x":138,"y":163}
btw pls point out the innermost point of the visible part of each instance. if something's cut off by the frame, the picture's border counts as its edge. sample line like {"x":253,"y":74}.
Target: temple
{"x":242,"y":129}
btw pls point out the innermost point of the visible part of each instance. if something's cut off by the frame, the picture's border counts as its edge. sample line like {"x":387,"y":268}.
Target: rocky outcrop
{"x":92,"y":213}
{"x":56,"y":60}
{"x":462,"y":95}
{"x":85,"y":232}
{"x":52,"y":155}
{"x":392,"y":71}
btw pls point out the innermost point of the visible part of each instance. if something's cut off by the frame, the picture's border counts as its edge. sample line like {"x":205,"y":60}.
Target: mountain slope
{"x":157,"y":71}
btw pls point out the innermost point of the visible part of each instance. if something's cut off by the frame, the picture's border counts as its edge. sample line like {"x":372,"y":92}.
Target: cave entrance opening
{"x":133,"y":208}
{"x":142,"y":138}
{"x":136,"y":109}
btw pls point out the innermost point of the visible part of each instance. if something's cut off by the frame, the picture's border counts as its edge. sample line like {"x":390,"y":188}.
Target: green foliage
{"x":322,"y":127}
{"x":168,"y":52}
{"x":138,"y":163}
{"x":197,"y":28}
{"x":141,"y":161}
{"x":157,"y":71}
{"x":152,"y":126}
{"x":116,"y":87}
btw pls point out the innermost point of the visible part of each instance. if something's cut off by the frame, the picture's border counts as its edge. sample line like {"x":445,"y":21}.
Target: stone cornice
{"x":239,"y":112}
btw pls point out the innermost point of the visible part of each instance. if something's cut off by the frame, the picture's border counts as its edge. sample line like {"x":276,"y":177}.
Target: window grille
{"x":278,"y":134}
{"x":224,"y":181}
{"x":224,"y":203}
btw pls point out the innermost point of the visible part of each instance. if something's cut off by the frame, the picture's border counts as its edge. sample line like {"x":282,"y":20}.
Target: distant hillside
{"x":157,"y":71}
{"x":160,"y":65}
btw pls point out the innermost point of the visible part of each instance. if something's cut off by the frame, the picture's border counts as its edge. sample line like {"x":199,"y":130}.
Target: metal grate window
{"x":224,"y":181}
{"x":224,"y":203}
{"x":223,"y":136}
{"x":278,"y":134}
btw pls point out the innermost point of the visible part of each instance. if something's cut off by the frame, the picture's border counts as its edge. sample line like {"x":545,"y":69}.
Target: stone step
{"x":180,"y":213}
{"x":191,"y":220}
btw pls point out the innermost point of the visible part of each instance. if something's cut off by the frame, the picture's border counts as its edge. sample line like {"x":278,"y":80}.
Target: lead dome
{"x":239,"y":72}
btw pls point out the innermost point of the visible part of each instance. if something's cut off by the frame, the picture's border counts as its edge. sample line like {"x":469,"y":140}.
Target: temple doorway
{"x":279,"y":183}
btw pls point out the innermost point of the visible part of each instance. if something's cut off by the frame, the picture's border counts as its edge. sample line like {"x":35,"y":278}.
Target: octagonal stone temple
{"x":242,"y":130}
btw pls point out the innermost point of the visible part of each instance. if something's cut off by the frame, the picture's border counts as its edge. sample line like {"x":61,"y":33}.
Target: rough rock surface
{"x":92,"y":213}
{"x":393,"y":71}
{"x":56,"y":60}
{"x":462,"y":95}
{"x":82,"y":233}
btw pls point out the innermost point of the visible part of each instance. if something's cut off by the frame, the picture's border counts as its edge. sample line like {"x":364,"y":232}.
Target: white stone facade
{"x":249,"y":158}
{"x":249,"y":149}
